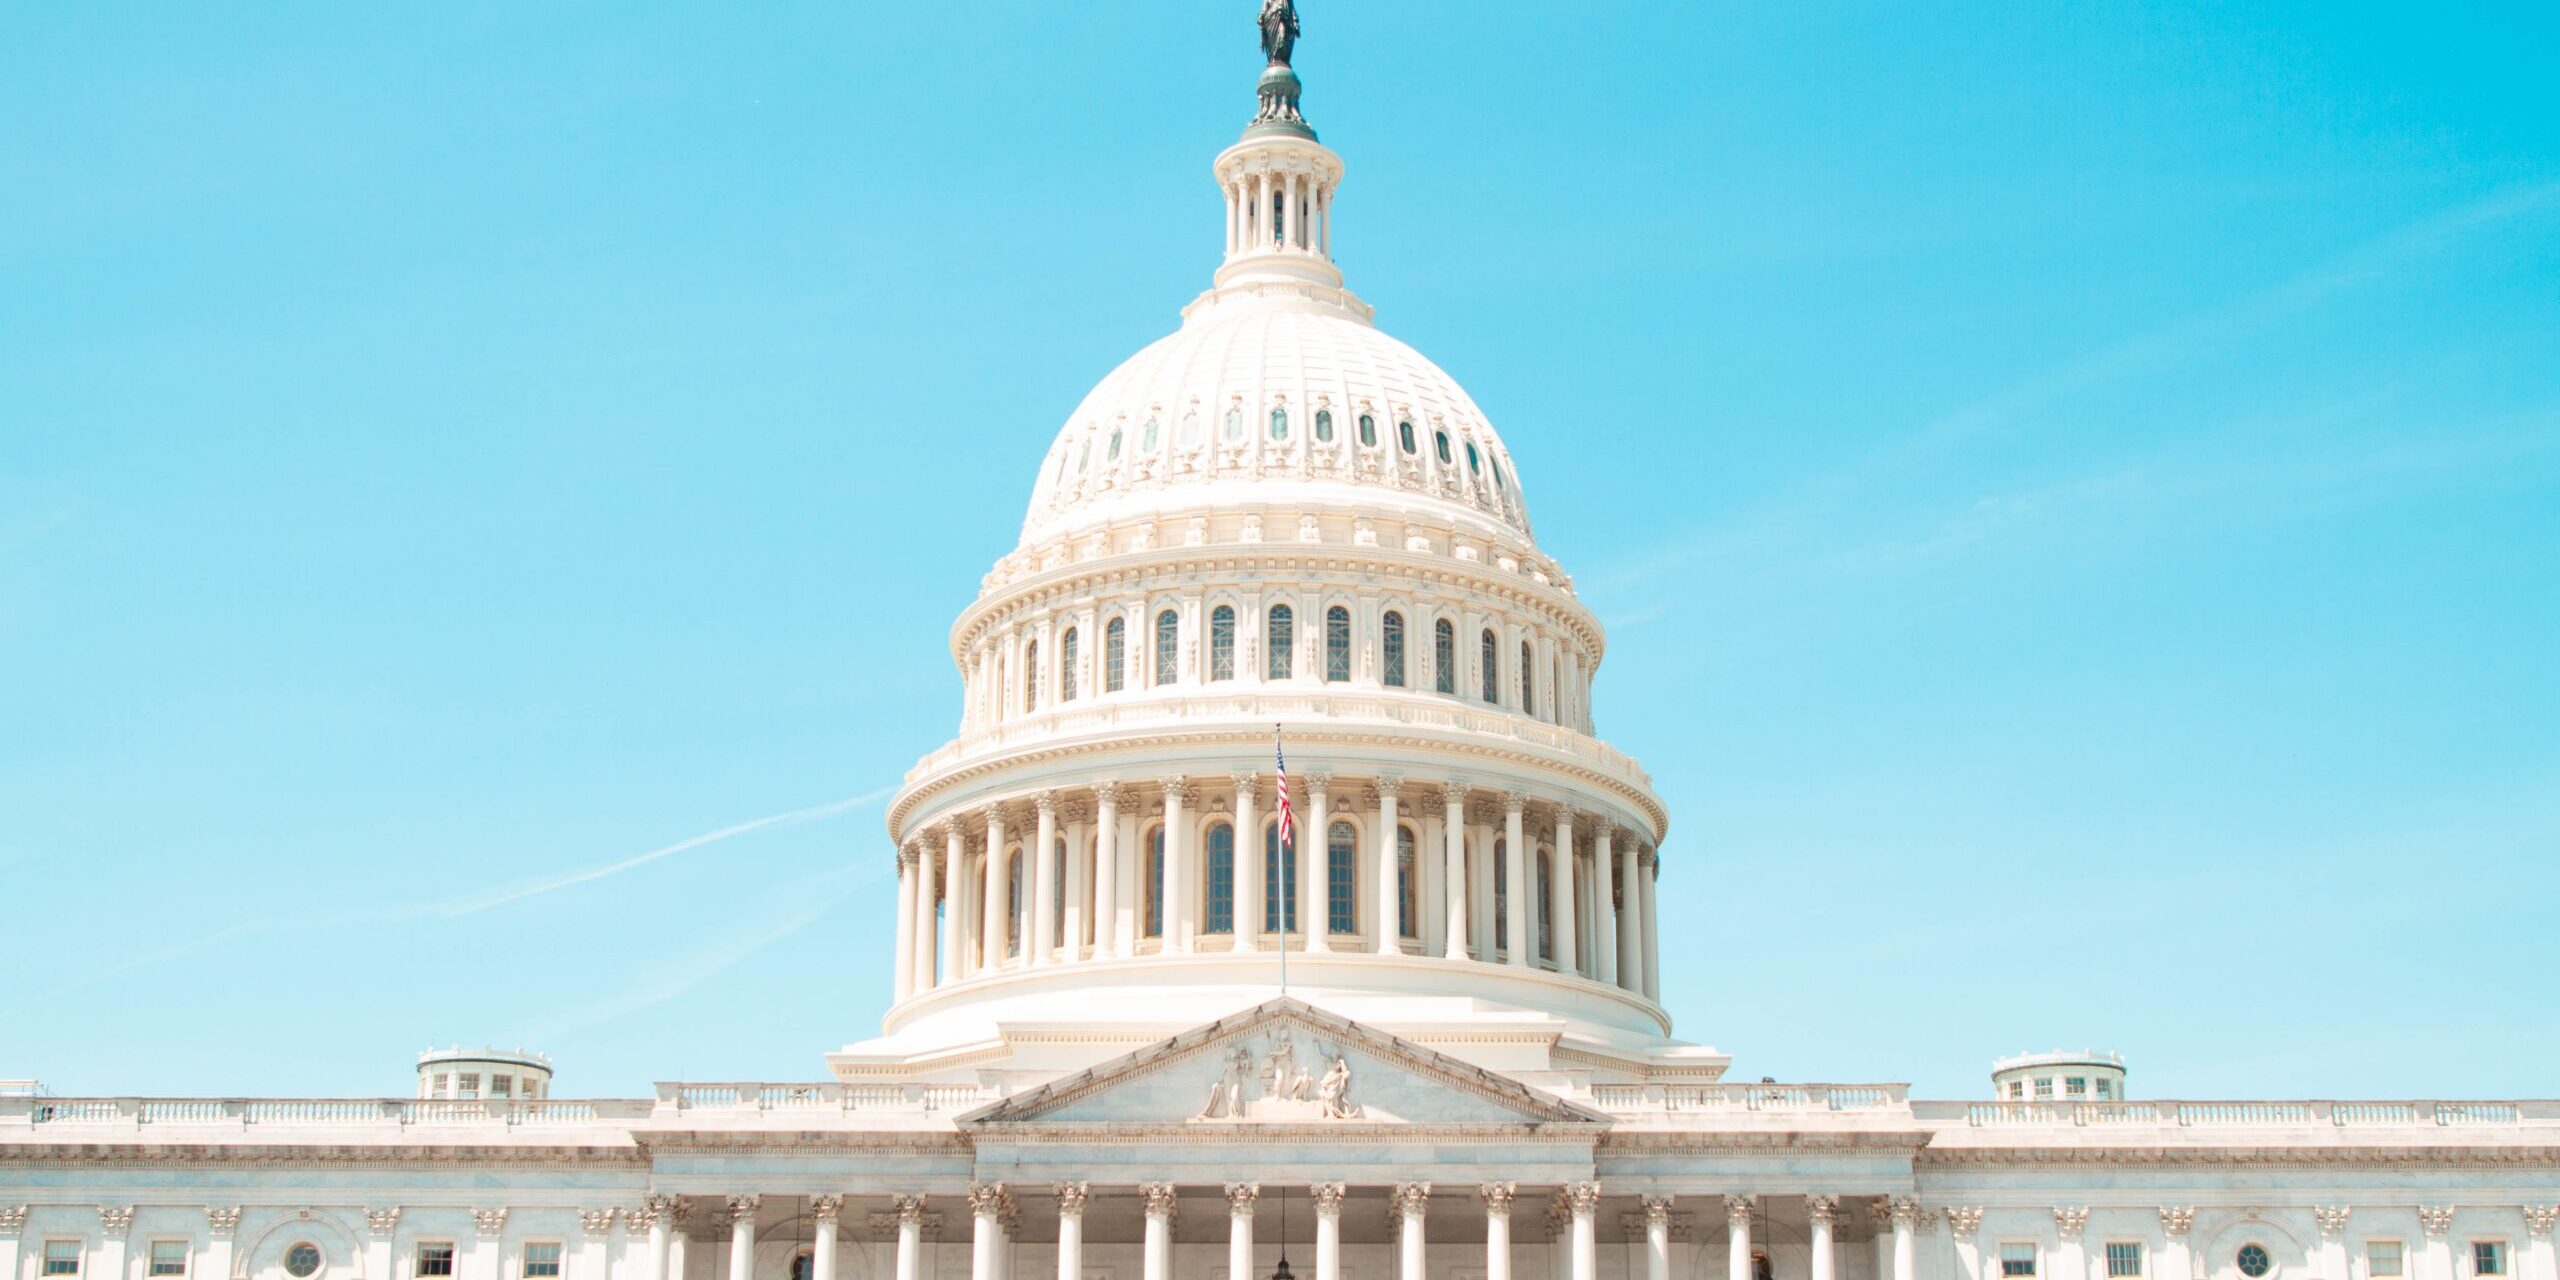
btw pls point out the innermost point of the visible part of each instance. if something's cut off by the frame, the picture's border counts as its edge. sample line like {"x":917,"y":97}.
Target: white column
{"x":222,"y":1223}
{"x":1565,"y":902}
{"x":1517,"y":886}
{"x":1315,"y":882}
{"x":1328,"y":1198}
{"x":1388,"y":898}
{"x":922,"y":936}
{"x":1175,"y":889}
{"x":1106,"y":871}
{"x":1073,"y":931}
{"x":1630,"y":920}
{"x":1071,"y":1198}
{"x":1604,"y":869}
{"x":1584,"y":1197}
{"x":1240,"y":1198}
{"x":1657,"y":1238}
{"x":1648,"y":866}
{"x":1248,"y":894}
{"x":1453,"y":870}
{"x":1158,"y":1257}
{"x":595,"y":1246}
{"x":2542,"y":1252}
{"x":1041,"y":939}
{"x":993,"y":900}
{"x":986,"y":1205}
{"x":1906,"y":1240}
{"x":13,"y":1225}
{"x":1737,"y":1237}
{"x":1497,"y":1198}
{"x":115,"y":1237}
{"x":955,"y":861}
{"x":2070,"y":1258}
{"x":904,"y":962}
{"x":1819,"y":1214}
{"x":742,"y":1237}
{"x":1409,"y":1200}
{"x":910,"y":1211}
{"x":657,"y":1212}
{"x":822,"y":1237}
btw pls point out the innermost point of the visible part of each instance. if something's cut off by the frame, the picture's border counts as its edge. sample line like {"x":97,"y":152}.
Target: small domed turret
{"x":2060,"y":1075}
{"x":510,"y":1074}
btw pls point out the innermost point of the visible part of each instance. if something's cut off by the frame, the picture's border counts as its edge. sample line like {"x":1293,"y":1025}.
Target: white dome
{"x":1189,"y":422}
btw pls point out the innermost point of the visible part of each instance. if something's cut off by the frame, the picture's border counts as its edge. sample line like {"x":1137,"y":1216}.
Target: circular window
{"x":2254,"y":1262}
{"x":302,"y":1261}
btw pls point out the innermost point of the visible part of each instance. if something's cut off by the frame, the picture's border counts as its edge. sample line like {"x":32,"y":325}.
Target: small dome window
{"x":1440,"y":442}
{"x":1368,"y":431}
{"x":1475,"y":464}
{"x":1084,"y":460}
{"x":1404,"y":435}
{"x":1232,"y":431}
{"x":1111,"y":451}
{"x":1189,"y":436}
{"x":1280,"y":422}
{"x":1496,"y":464}
{"x":1147,"y":437}
{"x":1324,"y":426}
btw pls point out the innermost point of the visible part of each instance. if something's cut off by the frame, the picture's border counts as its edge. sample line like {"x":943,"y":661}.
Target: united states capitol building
{"x":1090,"y":1066}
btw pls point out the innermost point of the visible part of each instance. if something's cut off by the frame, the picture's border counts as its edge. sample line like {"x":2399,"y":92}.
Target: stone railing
{"x":1780,"y":1099}
{"x":244,"y":1113}
{"x":2001,"y":1115}
{"x":1213,"y":704}
{"x":751,"y":1098}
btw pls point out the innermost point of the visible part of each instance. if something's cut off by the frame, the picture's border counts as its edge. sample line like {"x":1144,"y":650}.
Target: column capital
{"x":1821,"y":1211}
{"x":986,"y":1200}
{"x":380,"y":1223}
{"x":1567,"y":813}
{"x":1514,"y":803}
{"x":2539,"y":1219}
{"x":1740,"y":1206}
{"x":1045,"y":804}
{"x":1582,"y":1198}
{"x":1648,"y":864}
{"x":1963,"y":1220}
{"x":595,"y":1222}
{"x":1240,"y":1198}
{"x":824,"y":1207}
{"x":2175,"y":1220}
{"x":910,"y":1210}
{"x":1657,"y":1211}
{"x":909,"y":856}
{"x":491,"y":1223}
{"x":115,"y":1220}
{"x":222,"y":1220}
{"x":1318,"y":784}
{"x":658,"y":1207}
{"x":1454,"y":791}
{"x":743,"y":1208}
{"x":1071,"y":1197}
{"x":1408,"y":1200}
{"x":1902,"y":1212}
{"x":1160,"y":1198}
{"x":13,"y":1219}
{"x":1328,"y":1198}
{"x":1109,"y":794}
{"x":1497,"y":1197}
{"x":2436,"y":1220}
{"x":1179,"y":787}
{"x":1246,"y":783}
{"x":2333,"y":1219}
{"x":2069,"y":1220}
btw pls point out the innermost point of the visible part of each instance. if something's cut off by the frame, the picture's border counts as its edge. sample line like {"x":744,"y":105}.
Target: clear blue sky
{"x":2075,"y":492}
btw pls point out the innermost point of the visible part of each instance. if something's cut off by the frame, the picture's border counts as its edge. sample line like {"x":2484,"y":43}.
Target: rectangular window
{"x":2076,"y":1087}
{"x":2382,"y":1259}
{"x":168,"y":1257}
{"x":2018,"y":1259}
{"x":2124,"y":1259}
{"x":2488,"y":1257}
{"x":2106,"y":1090}
{"x":470,"y":1085}
{"x":2044,"y":1088}
{"x":542,"y":1260}
{"x":435,"y":1259}
{"x":2018,"y":1089}
{"x":1342,"y":858}
{"x":499,"y":1086}
{"x":62,"y":1257}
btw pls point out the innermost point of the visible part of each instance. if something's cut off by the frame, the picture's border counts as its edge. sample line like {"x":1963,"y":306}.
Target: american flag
{"x":1288,"y":819}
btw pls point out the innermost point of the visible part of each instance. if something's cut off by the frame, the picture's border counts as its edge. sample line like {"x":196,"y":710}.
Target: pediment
{"x":1284,"y":1062}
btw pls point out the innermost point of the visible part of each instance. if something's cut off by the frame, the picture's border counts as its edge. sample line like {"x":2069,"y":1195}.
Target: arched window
{"x":1218,"y":881}
{"x":1168,"y":641}
{"x":1496,"y":464}
{"x":1021,"y":907}
{"x":1760,"y":1268}
{"x":1475,"y":464}
{"x":1153,"y":889}
{"x":1342,"y":871}
{"x":1404,"y":435}
{"x":799,"y":1266}
{"x":1501,"y":897}
{"x":1187,"y":436}
{"x":1444,"y":656}
{"x":1324,"y":426}
{"x":1147,"y":437}
{"x":1440,"y":445}
{"x":1115,"y":655}
{"x":1545,"y":905}
{"x":1408,"y":885}
{"x":1231,"y":428}
{"x":1528,"y":681}
{"x":1391,"y":648}
{"x":1084,"y":456}
{"x":1279,"y":422}
{"x":1491,"y":658}
{"x":1111,"y":451}
{"x":1031,"y":676}
{"x":1281,"y":642}
{"x":1279,"y":883}
{"x":1337,"y":644}
{"x":1368,"y":431}
{"x":1222,"y":643}
{"x":1068,"y":651}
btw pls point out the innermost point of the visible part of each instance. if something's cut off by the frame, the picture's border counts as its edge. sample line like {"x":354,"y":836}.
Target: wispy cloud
{"x":536,"y":888}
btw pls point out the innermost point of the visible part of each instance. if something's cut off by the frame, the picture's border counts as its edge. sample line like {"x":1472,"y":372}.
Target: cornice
{"x":271,"y":1155}
{"x":1338,"y":1133}
{"x":912,"y":1141}
{"x":1623,"y":1141}
{"x":2411,"y":1157}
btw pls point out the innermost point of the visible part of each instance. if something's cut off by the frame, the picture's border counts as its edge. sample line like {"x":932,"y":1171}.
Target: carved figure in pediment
{"x":1334,"y":1092}
{"x":1280,"y":1071}
{"x":1226,"y":1093}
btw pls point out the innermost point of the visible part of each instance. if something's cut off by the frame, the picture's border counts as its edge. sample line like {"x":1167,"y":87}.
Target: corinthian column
{"x":1328,"y":1198}
{"x":1604,"y":871}
{"x":986,"y":1210}
{"x":1583,"y":1198}
{"x":910,"y":1211}
{"x":904,"y":962}
{"x":1158,"y":1257}
{"x":1248,"y":871}
{"x":822,"y":1240}
{"x":1071,"y":1198}
{"x":1240,"y":1198}
{"x":1315,"y":879}
{"x":1041,"y":940}
{"x":1453,"y":865}
{"x":1175,"y":891}
{"x":1516,"y":883}
{"x":1389,"y":847}
{"x":1630,"y":920}
{"x":1408,"y":1203}
{"x":995,"y":896}
{"x":1737,"y":1237}
{"x":1819,"y":1214}
{"x":1646,"y":873}
{"x":1106,"y":871}
{"x":1562,"y":903}
{"x":742,"y":1236}
{"x":1657,"y":1238}
{"x":1497,"y":1228}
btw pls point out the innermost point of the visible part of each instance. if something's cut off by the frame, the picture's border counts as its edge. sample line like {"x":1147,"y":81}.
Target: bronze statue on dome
{"x":1279,"y":30}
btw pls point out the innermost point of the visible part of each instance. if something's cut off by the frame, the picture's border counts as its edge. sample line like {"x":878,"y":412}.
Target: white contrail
{"x":592,"y":874}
